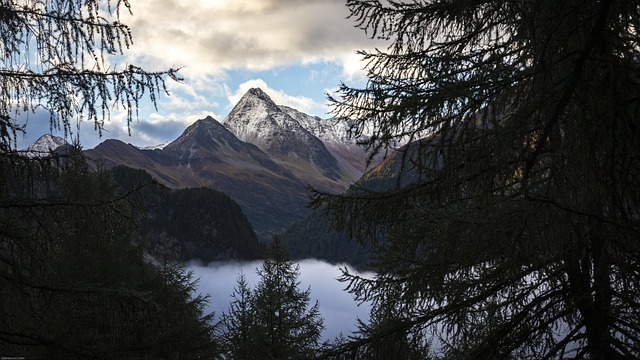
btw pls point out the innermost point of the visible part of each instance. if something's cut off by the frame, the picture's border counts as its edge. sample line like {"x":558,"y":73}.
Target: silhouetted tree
{"x":512,"y":231}
{"x":75,"y":285}
{"x":72,"y":282}
{"x":55,"y":56}
{"x":282,"y":324}
{"x":238,"y":321}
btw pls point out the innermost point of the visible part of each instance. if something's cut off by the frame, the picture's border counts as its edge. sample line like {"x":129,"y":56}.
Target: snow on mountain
{"x":258,"y":120}
{"x":154,"y":147}
{"x":352,"y":157}
{"x":327,"y":130}
{"x":44,"y":145}
{"x":262,"y":155}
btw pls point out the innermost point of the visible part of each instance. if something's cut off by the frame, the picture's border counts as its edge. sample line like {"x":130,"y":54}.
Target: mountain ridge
{"x":269,"y":176}
{"x":44,"y":145}
{"x":258,"y":120}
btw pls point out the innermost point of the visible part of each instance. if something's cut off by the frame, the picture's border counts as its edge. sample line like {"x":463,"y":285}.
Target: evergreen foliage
{"x":211,"y":226}
{"x":516,"y":235}
{"x":74,"y":284}
{"x":238,"y":323}
{"x":314,"y":237}
{"x":274,"y":320}
{"x":55,"y":56}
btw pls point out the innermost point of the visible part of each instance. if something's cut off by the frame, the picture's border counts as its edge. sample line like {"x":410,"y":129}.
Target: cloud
{"x":38,"y":123}
{"x":209,"y":36}
{"x":160,"y":129}
{"x":337,"y":307}
{"x":208,"y":39}
{"x":353,"y":67}
{"x":213,"y":40}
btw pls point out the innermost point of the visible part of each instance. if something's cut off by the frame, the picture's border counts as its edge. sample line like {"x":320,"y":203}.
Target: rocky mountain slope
{"x":44,"y":145}
{"x":262,"y":155}
{"x":314,"y":235}
{"x":296,"y":141}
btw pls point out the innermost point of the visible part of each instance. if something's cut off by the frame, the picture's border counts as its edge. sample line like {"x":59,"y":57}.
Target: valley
{"x":264,"y":157}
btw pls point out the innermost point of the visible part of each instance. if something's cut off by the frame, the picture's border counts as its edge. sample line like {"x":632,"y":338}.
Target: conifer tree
{"x":282,"y":324}
{"x":237,"y":338}
{"x":72,"y":282}
{"x":513,"y":228}
{"x":76,"y":285}
{"x":59,"y":56}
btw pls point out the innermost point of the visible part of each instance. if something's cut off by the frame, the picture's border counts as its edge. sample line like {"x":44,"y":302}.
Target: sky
{"x":337,"y":307}
{"x":295,"y":50}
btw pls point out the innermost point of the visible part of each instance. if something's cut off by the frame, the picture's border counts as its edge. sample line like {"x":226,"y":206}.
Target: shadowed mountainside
{"x":264,"y":156}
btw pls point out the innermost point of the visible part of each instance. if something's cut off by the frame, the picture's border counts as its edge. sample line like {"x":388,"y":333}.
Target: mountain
{"x":315,"y":237}
{"x":207,"y":224}
{"x":210,"y":155}
{"x":44,"y":145}
{"x":296,"y":141}
{"x":334,"y":134}
{"x":262,"y":155}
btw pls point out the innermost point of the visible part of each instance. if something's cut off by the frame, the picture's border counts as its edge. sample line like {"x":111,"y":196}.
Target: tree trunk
{"x":589,"y":284}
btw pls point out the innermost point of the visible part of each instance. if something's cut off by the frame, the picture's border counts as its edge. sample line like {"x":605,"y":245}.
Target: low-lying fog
{"x":337,"y":307}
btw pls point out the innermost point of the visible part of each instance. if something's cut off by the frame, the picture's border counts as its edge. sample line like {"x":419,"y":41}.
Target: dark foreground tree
{"x":514,"y":229}
{"x":274,"y":321}
{"x":384,"y":341}
{"x":238,"y":321}
{"x":73,"y":282}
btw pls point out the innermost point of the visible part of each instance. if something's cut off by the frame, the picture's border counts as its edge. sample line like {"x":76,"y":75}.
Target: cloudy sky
{"x":295,"y":50}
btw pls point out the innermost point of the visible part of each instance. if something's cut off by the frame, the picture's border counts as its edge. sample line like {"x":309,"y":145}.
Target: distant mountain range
{"x":262,"y":155}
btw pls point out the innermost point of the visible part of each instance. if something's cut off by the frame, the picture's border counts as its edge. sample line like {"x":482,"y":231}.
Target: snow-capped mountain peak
{"x":257,"y":119}
{"x":44,"y":145}
{"x":154,"y":147}
{"x":257,"y":92}
{"x":327,"y":130}
{"x":262,"y":155}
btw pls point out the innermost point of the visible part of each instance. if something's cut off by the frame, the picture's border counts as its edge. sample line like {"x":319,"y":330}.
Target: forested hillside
{"x":204,"y":224}
{"x":314,"y":238}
